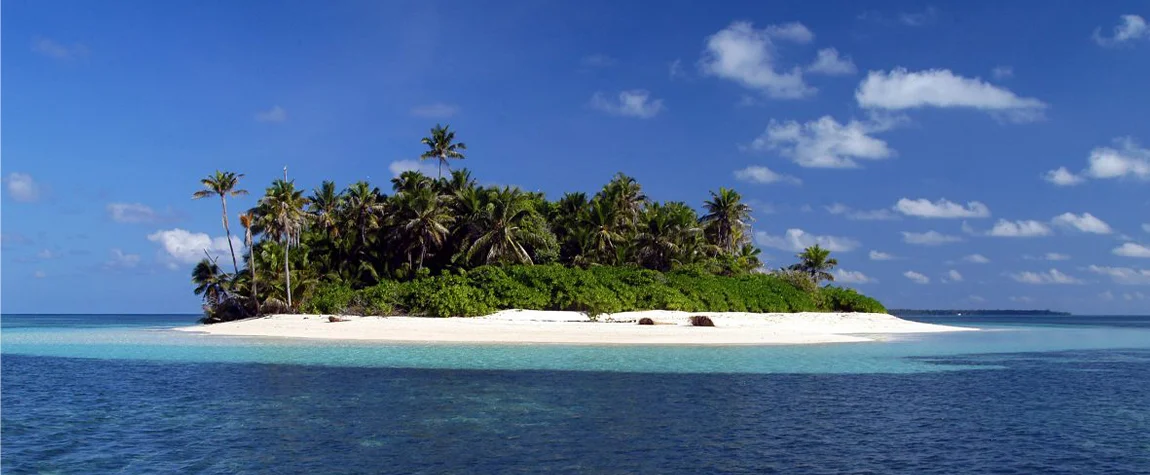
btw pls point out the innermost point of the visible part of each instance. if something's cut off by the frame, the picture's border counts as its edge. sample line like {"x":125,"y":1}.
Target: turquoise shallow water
{"x":125,"y":394}
{"x":146,"y":337}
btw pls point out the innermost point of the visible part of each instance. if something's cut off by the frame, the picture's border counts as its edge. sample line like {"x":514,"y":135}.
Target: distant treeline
{"x":906,"y":311}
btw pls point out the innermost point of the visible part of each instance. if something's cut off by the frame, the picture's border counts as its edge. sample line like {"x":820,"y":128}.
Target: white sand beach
{"x":534,"y":326}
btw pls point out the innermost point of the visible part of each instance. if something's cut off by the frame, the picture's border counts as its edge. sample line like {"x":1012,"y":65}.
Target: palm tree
{"x":222,"y":184}
{"x":210,"y":282}
{"x":364,"y":208}
{"x":605,"y":234}
{"x":727,"y":219}
{"x":324,"y":204}
{"x":504,"y":229}
{"x":283,"y":206}
{"x":627,"y":196}
{"x":422,"y":221}
{"x":441,"y":145}
{"x":666,"y":235}
{"x":246,"y":220}
{"x":816,"y":263}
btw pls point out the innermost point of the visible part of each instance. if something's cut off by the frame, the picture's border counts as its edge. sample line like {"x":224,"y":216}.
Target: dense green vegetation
{"x":449,"y":247}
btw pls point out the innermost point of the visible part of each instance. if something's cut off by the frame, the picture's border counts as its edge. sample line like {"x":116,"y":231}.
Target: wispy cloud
{"x":275,"y":114}
{"x":796,"y":240}
{"x":598,"y":61}
{"x":942,"y":208}
{"x":748,"y":56}
{"x":438,"y":110}
{"x":764,"y":175}
{"x":634,"y":103}
{"x":1052,"y":276}
{"x":929,"y":238}
{"x":1129,"y":28}
{"x":54,"y":49}
{"x":916,"y":277}
{"x":138,"y":213}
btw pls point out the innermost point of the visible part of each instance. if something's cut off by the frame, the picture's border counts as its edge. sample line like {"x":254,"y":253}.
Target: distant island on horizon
{"x":905,"y":311}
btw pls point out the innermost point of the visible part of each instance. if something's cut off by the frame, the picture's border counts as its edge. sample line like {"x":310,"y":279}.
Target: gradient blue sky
{"x":929,"y":133}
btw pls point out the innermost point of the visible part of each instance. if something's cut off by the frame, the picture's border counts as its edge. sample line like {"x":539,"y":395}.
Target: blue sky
{"x":966,"y":155}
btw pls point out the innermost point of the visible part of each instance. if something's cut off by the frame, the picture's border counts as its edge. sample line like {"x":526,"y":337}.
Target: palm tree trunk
{"x":252,"y":260}
{"x":228,"y":232}
{"x":441,"y":167}
{"x":287,"y":271}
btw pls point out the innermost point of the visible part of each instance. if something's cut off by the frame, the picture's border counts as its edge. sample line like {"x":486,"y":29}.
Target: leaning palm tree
{"x":246,"y":220}
{"x":441,"y":145}
{"x":210,"y":282}
{"x":727,"y":219}
{"x":816,"y":262}
{"x":284,"y":216}
{"x":222,"y":184}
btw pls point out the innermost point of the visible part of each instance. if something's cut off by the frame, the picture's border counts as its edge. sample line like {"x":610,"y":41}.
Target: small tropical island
{"x":445,"y":246}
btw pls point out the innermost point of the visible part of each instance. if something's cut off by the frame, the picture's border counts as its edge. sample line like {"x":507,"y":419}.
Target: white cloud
{"x":1054,"y":256}
{"x":1128,"y":160}
{"x":437,"y":110}
{"x":633,"y":103}
{"x":747,"y":56}
{"x":1129,"y":28}
{"x":426,"y":167}
{"x":796,"y":240}
{"x":675,"y":69}
{"x":861,"y":215}
{"x":916,"y":277}
{"x":21,"y":187}
{"x":901,"y":89}
{"x":1123,"y":275}
{"x":598,"y":61}
{"x":929,"y":238}
{"x":830,"y":63}
{"x":1002,"y":72}
{"x":942,"y":208}
{"x":122,"y":260}
{"x":1146,"y":227}
{"x":1053,"y":276}
{"x":1027,"y":228}
{"x":1086,"y":223}
{"x":178,"y":246}
{"x":852,"y":277}
{"x":1062,"y":177}
{"x":46,"y":254}
{"x":1134,"y":296}
{"x":976,"y":259}
{"x":825,"y":143}
{"x":763,"y":175}
{"x":953,"y":276}
{"x":1131,"y":249}
{"x":39,"y":274}
{"x":134,"y":213}
{"x":794,"y":31}
{"x":881,"y":256}
{"x":1107,"y":295}
{"x":51,"y":48}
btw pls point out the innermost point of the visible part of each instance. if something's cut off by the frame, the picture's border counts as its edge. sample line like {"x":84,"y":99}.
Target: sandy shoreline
{"x":531,"y":326}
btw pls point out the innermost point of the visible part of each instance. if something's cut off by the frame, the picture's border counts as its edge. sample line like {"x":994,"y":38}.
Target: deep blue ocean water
{"x":123,"y":394}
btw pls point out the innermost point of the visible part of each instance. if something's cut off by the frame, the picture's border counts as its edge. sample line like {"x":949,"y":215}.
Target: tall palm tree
{"x":223,"y":184}
{"x":605,"y":233}
{"x":283,"y":206}
{"x":422,"y":220}
{"x":816,"y":262}
{"x":504,"y":229}
{"x":441,"y":145}
{"x":246,"y":220}
{"x":666,"y":235}
{"x":727,"y":219}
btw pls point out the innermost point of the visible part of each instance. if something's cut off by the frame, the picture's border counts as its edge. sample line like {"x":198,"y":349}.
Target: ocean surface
{"x":125,"y":394}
